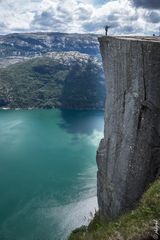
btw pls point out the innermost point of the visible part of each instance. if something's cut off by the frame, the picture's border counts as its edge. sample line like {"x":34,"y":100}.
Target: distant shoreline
{"x":34,"y":108}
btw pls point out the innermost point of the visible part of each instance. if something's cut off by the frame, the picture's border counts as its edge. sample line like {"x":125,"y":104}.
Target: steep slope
{"x":56,"y":79}
{"x":139,"y":224}
{"x":129,"y":155}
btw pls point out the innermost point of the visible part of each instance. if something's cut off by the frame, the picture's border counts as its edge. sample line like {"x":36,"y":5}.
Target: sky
{"x":125,"y":17}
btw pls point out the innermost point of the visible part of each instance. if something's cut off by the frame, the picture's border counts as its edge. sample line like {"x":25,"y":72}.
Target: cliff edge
{"x":128,"y":157}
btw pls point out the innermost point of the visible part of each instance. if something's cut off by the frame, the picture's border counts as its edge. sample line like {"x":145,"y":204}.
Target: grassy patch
{"x":131,"y":226}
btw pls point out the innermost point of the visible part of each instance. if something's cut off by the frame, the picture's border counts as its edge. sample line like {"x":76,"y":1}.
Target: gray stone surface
{"x":128,"y":157}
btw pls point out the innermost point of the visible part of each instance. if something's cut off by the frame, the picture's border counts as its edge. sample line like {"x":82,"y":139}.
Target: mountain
{"x":29,"y":44}
{"x":57,"y":79}
{"x":47,"y":70}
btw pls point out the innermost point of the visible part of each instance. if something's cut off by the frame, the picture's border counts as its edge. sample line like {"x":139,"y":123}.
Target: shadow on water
{"x":78,"y":122}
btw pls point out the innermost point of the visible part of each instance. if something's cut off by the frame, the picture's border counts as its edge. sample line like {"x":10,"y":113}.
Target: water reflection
{"x":78,"y":122}
{"x":47,"y":184}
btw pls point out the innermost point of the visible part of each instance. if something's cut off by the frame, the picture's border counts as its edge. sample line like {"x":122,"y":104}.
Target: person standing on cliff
{"x":106,"y":29}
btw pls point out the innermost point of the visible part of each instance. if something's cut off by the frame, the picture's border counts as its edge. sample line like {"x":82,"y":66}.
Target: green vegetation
{"x":135,"y":225}
{"x":47,"y":83}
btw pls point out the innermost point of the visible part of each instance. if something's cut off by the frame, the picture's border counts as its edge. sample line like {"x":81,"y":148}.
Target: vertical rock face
{"x":128,"y":157}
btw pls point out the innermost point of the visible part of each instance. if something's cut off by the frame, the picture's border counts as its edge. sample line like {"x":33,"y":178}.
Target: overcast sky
{"x":124,"y":16}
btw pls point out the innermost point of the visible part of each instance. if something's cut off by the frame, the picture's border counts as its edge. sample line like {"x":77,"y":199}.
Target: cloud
{"x":100,"y":2}
{"x":2,"y":25}
{"x":151,"y":4}
{"x":44,"y":19}
{"x":80,"y":16}
{"x":49,"y":21}
{"x":153,"y":17}
{"x":120,"y":15}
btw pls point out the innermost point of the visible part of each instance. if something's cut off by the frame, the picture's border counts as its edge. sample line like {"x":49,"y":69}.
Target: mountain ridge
{"x":31,"y":43}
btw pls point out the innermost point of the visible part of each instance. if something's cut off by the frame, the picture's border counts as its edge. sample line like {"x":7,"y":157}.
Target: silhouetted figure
{"x":106,"y":29}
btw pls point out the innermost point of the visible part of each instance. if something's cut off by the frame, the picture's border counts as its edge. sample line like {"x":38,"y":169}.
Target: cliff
{"x":128,"y":157}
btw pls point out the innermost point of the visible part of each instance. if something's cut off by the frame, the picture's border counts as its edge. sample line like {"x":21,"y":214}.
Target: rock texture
{"x":128,"y":157}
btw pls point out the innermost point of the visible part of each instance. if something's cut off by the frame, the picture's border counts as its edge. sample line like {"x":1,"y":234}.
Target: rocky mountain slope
{"x":29,"y":44}
{"x":47,"y":70}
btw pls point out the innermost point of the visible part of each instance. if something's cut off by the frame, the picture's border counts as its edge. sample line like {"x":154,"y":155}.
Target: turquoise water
{"x":48,"y":172}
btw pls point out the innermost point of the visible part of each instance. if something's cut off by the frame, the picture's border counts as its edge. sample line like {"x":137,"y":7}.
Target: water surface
{"x":48,"y":172}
